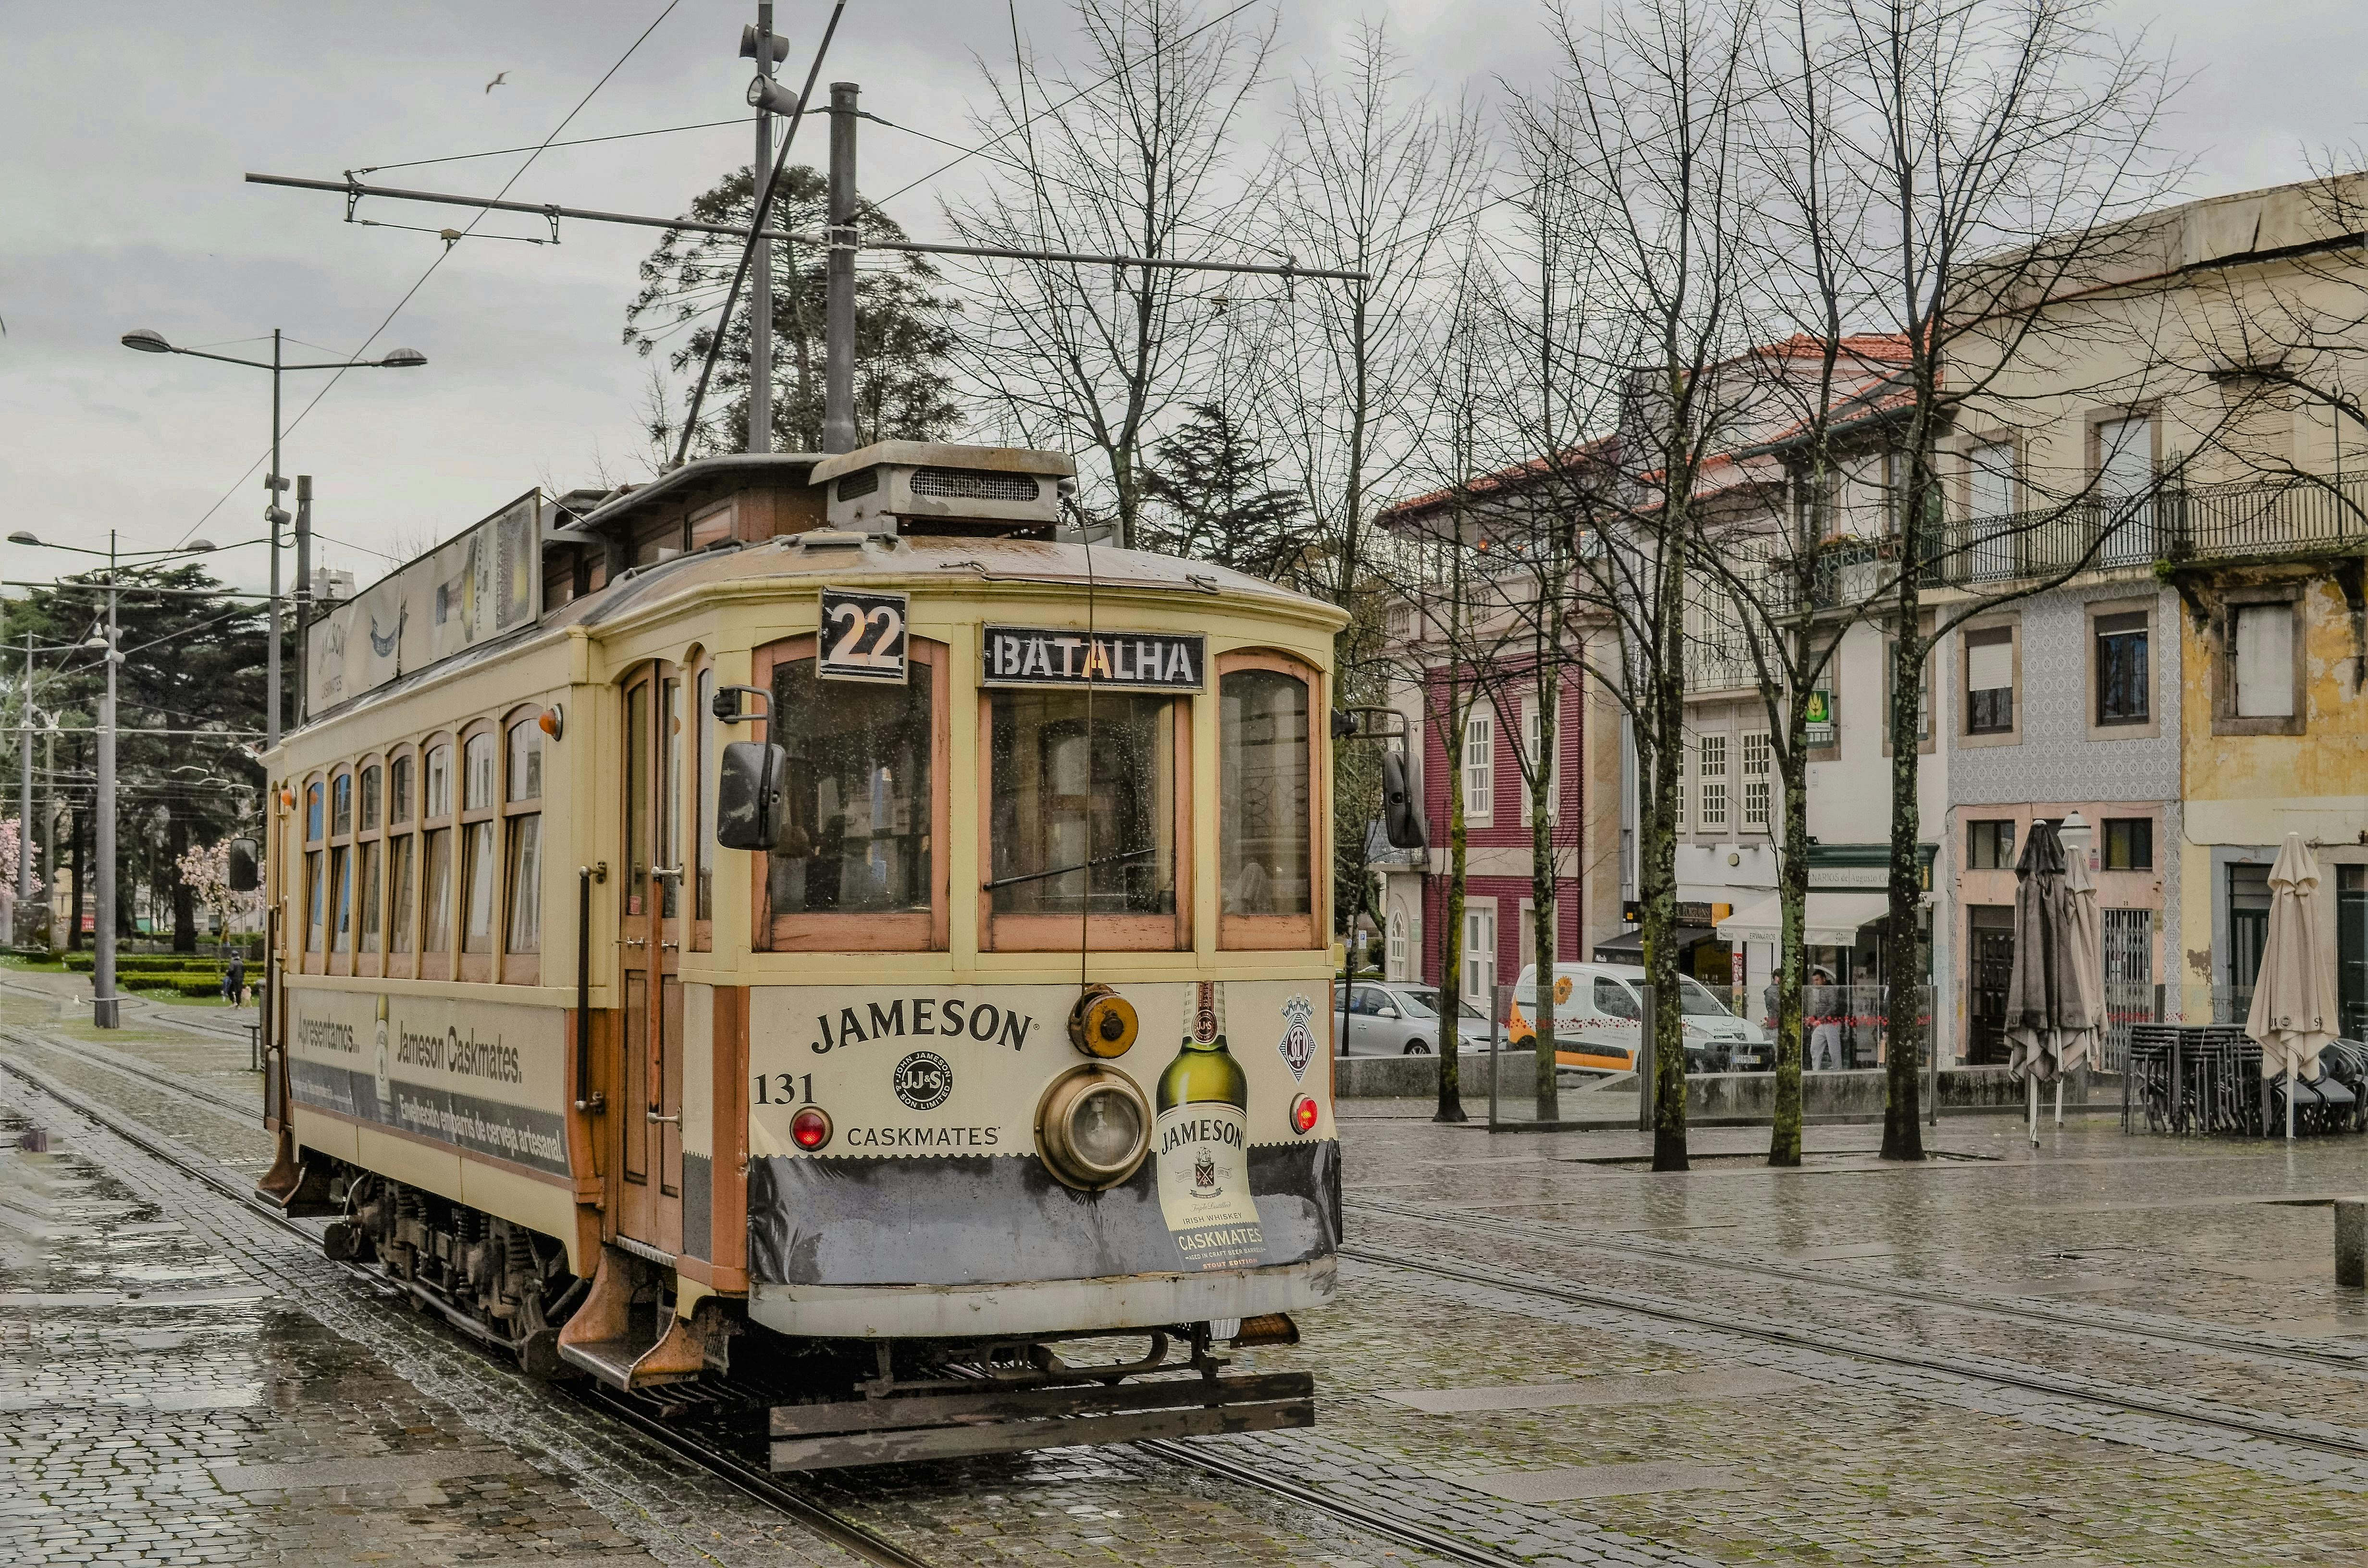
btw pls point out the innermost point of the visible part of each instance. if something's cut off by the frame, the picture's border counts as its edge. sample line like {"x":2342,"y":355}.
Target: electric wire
{"x":421,"y":282}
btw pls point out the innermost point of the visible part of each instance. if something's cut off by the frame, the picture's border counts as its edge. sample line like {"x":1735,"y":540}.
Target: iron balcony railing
{"x":2300,"y":515}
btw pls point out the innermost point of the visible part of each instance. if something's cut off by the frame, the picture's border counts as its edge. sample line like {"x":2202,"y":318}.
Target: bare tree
{"x":1132,"y":154}
{"x":1639,"y":207}
{"x":1366,"y":179}
{"x":1996,"y":143}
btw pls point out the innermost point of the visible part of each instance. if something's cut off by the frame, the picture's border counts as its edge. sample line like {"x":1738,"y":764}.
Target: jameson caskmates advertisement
{"x":481,"y":1077}
{"x":946,"y":1082}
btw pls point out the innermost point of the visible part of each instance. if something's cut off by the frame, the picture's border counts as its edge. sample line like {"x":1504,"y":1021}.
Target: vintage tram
{"x":811,"y":927}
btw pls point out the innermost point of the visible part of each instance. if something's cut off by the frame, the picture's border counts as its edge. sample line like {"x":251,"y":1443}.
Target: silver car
{"x":1377,"y":1017}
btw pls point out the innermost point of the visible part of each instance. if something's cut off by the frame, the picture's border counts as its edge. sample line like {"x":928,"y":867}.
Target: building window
{"x":1754,"y":761}
{"x":1989,"y":681}
{"x":1480,"y":958}
{"x":1710,"y":754}
{"x":2122,"y":683}
{"x":1989,"y":503}
{"x":1530,"y":753}
{"x":2129,"y":844}
{"x":1989,"y":846}
{"x":1479,"y":767}
{"x":2264,"y":643}
{"x":1398,"y":947}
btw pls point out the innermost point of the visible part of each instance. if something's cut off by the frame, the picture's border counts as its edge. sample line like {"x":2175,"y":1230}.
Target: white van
{"x":1597,"y":1014}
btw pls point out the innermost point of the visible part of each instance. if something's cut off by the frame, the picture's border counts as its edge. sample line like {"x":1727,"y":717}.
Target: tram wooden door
{"x":649,"y":1165}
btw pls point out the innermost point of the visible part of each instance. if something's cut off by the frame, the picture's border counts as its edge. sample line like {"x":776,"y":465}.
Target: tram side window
{"x":314,"y":901}
{"x":1265,"y":822}
{"x":341,"y":865}
{"x":702,"y":835}
{"x":402,"y":858}
{"x":436,"y":854}
{"x":371,"y":868}
{"x":857,"y":838}
{"x":477,"y":842}
{"x":1061,"y":797}
{"x":523,"y":808}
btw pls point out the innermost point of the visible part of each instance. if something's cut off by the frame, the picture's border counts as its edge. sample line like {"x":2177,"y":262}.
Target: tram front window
{"x":1082,"y":821}
{"x":857,"y":840}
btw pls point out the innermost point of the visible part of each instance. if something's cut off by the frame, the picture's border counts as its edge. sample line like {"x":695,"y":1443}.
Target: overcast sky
{"x":124,"y":133}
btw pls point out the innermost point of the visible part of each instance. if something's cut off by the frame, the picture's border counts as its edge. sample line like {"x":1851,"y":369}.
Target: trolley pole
{"x":838,"y":348}
{"x":106,"y":1008}
{"x":760,"y":267}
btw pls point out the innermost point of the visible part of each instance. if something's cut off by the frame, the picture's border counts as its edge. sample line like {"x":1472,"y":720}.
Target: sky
{"x":123,"y":147}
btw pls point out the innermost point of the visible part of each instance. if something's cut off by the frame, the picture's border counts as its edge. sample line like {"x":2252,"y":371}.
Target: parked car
{"x":1392,"y":1018}
{"x":1597,"y":1014}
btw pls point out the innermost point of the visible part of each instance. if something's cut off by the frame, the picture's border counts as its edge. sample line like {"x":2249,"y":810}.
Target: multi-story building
{"x":2193,"y":690}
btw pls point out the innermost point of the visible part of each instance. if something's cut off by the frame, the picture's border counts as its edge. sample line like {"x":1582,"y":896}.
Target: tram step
{"x":997,"y":1420}
{"x":624,"y":1344}
{"x":619,"y":1363}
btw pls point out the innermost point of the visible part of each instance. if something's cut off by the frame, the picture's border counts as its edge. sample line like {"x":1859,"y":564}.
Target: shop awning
{"x":1833,"y":919}
{"x":1629,"y":945}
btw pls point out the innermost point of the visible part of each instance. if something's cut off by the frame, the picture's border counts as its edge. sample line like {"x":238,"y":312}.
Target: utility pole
{"x":106,"y":1009}
{"x":304,"y":589}
{"x":839,"y":347}
{"x":24,"y":797}
{"x":767,"y":49}
{"x":274,"y":484}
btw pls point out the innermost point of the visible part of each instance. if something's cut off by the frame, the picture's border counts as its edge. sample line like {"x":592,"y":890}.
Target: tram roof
{"x":909,"y":562}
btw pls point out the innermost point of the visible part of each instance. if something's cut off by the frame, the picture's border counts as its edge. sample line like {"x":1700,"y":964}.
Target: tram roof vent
{"x":932,"y":487}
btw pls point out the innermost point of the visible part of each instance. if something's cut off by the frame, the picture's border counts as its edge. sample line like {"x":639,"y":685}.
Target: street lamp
{"x":148,"y":340}
{"x":106,"y":1007}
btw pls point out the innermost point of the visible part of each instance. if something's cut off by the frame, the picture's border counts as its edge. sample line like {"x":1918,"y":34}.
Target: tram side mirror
{"x":1400,"y":821}
{"x":748,"y":795}
{"x":243,"y":874}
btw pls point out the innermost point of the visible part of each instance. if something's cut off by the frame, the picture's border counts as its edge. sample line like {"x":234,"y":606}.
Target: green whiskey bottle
{"x":1201,"y":1143}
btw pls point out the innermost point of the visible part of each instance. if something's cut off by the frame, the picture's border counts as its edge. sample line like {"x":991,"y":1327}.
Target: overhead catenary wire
{"x":388,"y":320}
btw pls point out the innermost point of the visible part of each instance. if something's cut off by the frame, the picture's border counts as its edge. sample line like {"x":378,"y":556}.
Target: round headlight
{"x":1093,"y":1128}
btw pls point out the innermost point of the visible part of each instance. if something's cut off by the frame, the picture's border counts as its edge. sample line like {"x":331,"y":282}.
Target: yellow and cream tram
{"x":800,"y":925}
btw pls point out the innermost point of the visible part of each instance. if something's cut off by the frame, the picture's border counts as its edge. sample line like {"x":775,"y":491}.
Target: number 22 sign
{"x":863,"y":636}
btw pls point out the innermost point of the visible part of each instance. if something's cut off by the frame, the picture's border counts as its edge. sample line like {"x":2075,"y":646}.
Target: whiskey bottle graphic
{"x":1200,"y":1142}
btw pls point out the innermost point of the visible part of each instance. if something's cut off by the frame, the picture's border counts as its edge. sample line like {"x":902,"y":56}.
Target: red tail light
{"x":1304,"y":1113}
{"x":810,"y":1128}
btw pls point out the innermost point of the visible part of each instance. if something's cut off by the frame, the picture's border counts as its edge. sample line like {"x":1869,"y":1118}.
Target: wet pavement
{"x":2107,"y":1350}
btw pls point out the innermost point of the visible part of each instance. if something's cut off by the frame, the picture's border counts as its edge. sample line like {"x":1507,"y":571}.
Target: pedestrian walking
{"x":1826,"y":1033}
{"x":235,"y":979}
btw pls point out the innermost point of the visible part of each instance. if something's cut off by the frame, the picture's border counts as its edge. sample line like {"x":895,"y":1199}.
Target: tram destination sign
{"x":1067,"y":655}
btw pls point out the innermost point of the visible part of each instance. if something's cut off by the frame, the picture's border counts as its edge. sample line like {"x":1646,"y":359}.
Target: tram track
{"x":2324,"y":1437}
{"x":716,"y":1459}
{"x":842,"y":1532}
{"x":2229,"y":1341}
{"x":249,"y":1115}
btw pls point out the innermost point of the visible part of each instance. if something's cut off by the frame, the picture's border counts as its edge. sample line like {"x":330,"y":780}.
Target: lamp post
{"x":147,"y":340}
{"x":106,"y":1007}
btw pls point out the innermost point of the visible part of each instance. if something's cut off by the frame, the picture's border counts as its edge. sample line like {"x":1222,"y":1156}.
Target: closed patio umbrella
{"x":2294,"y":997}
{"x":2055,"y":1002}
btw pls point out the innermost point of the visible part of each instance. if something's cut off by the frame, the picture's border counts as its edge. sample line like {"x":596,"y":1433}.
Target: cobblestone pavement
{"x":163,"y":1426}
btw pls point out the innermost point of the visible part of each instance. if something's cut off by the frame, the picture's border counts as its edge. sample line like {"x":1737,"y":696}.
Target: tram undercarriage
{"x":813,"y":1404}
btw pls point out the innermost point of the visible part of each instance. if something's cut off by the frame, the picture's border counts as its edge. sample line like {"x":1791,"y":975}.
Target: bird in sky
{"x":500,"y":80}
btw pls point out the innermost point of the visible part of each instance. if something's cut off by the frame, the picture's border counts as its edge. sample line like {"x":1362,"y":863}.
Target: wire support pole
{"x":104,"y":1007}
{"x":760,"y":265}
{"x":25,"y":790}
{"x":838,"y":278}
{"x":354,"y":190}
{"x":272,"y":484}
